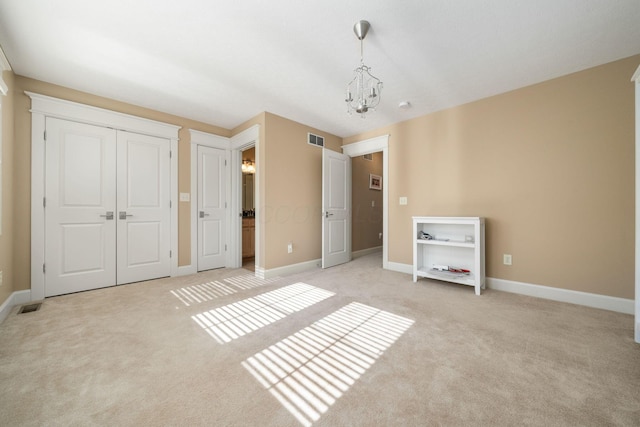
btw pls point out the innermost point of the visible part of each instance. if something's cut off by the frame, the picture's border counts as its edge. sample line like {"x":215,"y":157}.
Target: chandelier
{"x":248,"y":167}
{"x":363,"y":92}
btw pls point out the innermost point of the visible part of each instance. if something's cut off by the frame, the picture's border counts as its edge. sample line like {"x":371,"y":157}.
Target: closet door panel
{"x":80,"y":189}
{"x":144,"y":212}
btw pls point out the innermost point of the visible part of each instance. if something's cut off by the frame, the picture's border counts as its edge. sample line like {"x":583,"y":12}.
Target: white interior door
{"x":143,"y":208}
{"x":336,"y":208}
{"x":80,"y":188}
{"x":211,"y":208}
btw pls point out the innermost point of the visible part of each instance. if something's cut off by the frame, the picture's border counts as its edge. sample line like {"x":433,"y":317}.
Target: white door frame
{"x":240,"y":142}
{"x":375,"y":145}
{"x":45,"y":106}
{"x":636,"y":79}
{"x":234,"y":146}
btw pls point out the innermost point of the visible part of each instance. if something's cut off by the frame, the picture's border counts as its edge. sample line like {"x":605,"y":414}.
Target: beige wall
{"x":22,"y":165}
{"x":367,"y":219}
{"x":8,"y":218}
{"x":291,"y":184}
{"x":551,"y":167}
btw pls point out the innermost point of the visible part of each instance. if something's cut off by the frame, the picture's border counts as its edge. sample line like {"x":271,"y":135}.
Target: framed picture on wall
{"x":375,"y":182}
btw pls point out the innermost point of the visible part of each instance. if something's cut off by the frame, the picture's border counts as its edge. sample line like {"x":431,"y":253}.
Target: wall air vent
{"x":368,"y":156}
{"x":315,"y":140}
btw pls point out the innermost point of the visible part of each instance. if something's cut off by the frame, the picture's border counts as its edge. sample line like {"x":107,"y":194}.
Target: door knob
{"x":123,"y":215}
{"x":203,"y":214}
{"x":108,"y":215}
{"x":327,"y":214}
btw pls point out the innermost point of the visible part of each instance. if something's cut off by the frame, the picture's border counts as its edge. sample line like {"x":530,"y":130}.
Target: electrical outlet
{"x":379,"y":236}
{"x":0,"y":277}
{"x":506,"y":259}
{"x":290,"y":248}
{"x":373,"y":203}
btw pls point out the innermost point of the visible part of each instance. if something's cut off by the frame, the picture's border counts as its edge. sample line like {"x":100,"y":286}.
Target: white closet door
{"x":80,"y":188}
{"x":211,"y":208}
{"x":143,"y":213}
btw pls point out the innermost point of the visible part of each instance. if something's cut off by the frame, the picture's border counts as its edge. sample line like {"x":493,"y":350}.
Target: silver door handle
{"x":108,"y":215}
{"x":327,"y":214}
{"x":202,"y":214}
{"x":124,"y":215}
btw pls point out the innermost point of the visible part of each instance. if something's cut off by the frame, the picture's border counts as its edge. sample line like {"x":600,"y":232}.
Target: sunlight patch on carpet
{"x":235,"y":320}
{"x":196,"y":294}
{"x":308,"y":371}
{"x":249,"y":281}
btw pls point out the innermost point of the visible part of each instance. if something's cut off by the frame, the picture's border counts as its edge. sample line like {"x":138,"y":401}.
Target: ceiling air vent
{"x":316,"y":140}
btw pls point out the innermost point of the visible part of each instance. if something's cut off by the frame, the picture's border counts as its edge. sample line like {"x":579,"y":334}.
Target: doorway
{"x":374,"y":145}
{"x":248,"y":240}
{"x":367,"y":204}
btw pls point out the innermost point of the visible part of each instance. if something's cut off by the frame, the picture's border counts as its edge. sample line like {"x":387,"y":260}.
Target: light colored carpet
{"x":352,"y":345}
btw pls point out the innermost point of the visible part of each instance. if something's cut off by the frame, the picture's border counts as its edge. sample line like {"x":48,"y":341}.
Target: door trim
{"x":43,"y":106}
{"x":248,"y":138}
{"x":375,"y":145}
{"x":234,"y":146}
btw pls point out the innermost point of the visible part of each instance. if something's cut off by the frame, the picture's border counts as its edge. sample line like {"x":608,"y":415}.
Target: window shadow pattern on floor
{"x":235,"y":320}
{"x":208,"y":291}
{"x":308,"y":371}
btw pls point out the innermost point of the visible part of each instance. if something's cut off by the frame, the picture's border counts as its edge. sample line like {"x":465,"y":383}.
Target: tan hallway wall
{"x":367,"y":219}
{"x":551,"y":167}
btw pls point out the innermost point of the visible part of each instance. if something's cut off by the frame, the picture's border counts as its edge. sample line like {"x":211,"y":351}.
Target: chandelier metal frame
{"x":364,"y":90}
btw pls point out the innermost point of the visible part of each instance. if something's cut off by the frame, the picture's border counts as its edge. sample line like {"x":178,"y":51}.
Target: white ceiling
{"x":223,"y":62}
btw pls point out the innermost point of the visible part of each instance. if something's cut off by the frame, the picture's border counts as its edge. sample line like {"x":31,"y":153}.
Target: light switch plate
{"x":403,"y":200}
{"x":185,"y":197}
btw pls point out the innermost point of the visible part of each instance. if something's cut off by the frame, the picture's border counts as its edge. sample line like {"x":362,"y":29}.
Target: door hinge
{"x":225,"y":162}
{"x":44,"y":268}
{"x":170,"y":254}
{"x":225,"y":248}
{"x":45,"y":135}
{"x":44,"y":202}
{"x":170,"y":205}
{"x":225,"y":205}
{"x":170,"y":154}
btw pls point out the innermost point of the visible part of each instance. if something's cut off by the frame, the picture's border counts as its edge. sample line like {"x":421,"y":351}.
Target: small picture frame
{"x":375,"y":182}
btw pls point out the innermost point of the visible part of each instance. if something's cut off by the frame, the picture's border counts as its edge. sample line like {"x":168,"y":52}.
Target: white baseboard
{"x":16,"y":298}
{"x":401,"y":268}
{"x":363,"y":252}
{"x":621,"y":305}
{"x":288,"y":269}
{"x":186,"y":270}
{"x":307,"y":265}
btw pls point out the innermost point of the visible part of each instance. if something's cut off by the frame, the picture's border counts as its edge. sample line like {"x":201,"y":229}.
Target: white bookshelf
{"x":455,"y":242}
